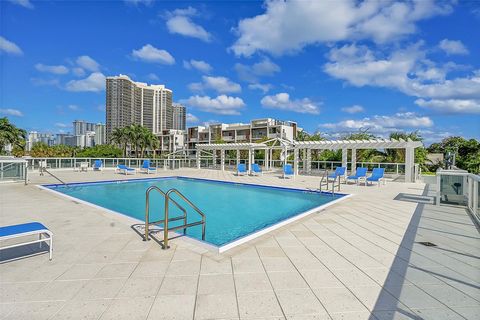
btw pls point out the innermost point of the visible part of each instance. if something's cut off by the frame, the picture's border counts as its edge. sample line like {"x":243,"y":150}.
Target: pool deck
{"x":357,"y":259}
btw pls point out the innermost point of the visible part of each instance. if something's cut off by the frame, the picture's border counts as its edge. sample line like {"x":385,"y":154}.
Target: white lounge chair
{"x":27,"y":229}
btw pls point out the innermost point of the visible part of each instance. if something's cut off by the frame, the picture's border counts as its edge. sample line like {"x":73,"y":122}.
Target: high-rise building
{"x":179,"y":117}
{"x":129,"y":102}
{"x":81,"y":127}
{"x":100,"y":137}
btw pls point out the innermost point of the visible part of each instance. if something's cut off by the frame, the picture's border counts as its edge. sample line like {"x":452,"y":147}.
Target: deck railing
{"x":458,"y":187}
{"x":13,"y":170}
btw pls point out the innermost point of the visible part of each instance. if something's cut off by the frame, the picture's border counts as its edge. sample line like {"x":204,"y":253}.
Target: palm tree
{"x":146,"y":139}
{"x":120,"y":137}
{"x":10,"y":134}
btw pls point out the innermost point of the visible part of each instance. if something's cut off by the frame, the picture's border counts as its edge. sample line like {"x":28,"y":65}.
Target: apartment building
{"x":179,"y":117}
{"x":129,"y":102}
{"x":256,"y":130}
{"x":172,"y":140}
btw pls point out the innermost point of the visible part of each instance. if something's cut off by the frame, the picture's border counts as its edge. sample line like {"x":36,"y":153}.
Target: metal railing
{"x":167,"y":219}
{"x":458,"y":187}
{"x":12,"y":169}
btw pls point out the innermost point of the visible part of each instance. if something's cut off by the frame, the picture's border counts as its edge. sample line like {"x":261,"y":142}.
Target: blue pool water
{"x":232,"y":210}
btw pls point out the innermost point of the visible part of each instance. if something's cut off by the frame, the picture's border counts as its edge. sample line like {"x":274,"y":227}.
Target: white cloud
{"x":9,"y":47}
{"x":73,"y":107}
{"x":282,"y":101}
{"x":192,"y":118}
{"x":88,"y":63}
{"x":222,"y":104}
{"x":381,"y":124}
{"x":199,"y":65}
{"x":452,"y":47}
{"x":24,"y":3}
{"x":180,"y":21}
{"x":259,"y":86}
{"x":406,"y":70}
{"x":288,"y":26}
{"x":149,"y":53}
{"x":451,"y":105}
{"x":219,"y":84}
{"x":79,"y":72}
{"x":45,"y":82}
{"x":251,"y":73}
{"x":147,"y":3}
{"x":11,"y":112}
{"x":94,"y":82}
{"x":60,"y":69}
{"x":61,"y":125}
{"x":353,"y":109}
{"x":153,"y":77}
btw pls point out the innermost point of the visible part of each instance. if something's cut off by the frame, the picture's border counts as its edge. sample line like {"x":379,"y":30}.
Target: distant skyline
{"x":331,"y":66}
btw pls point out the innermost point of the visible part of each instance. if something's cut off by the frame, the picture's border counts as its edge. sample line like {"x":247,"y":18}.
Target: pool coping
{"x":204,"y":244}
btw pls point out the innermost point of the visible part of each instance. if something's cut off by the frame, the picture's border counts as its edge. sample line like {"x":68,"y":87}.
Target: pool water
{"x":232,"y":210}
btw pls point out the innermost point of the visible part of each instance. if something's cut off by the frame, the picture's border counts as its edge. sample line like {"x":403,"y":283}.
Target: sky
{"x":331,"y":66}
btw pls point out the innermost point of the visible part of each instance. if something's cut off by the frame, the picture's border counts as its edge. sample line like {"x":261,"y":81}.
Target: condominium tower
{"x":129,"y":102}
{"x":179,"y":117}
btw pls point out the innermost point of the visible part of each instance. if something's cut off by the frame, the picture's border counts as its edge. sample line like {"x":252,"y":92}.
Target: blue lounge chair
{"x":339,"y":172}
{"x":98,"y":165}
{"x":256,"y":170}
{"x":288,"y":171}
{"x":377,"y":175}
{"x":121,"y":168}
{"x":147,"y":168}
{"x":241,"y":169}
{"x":360,"y":174}
{"x":27,"y":229}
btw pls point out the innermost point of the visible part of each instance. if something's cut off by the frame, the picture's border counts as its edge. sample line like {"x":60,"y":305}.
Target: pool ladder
{"x":167,"y":219}
{"x":326,"y":182}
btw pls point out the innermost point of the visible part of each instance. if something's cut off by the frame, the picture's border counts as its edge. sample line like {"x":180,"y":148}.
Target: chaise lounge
{"x":288,"y":171}
{"x":146,"y":168}
{"x":360,"y":175}
{"x":256,"y":170}
{"x":98,"y":165}
{"x":377,"y":176}
{"x":241,"y":169}
{"x":24,"y":230}
{"x":121,"y":168}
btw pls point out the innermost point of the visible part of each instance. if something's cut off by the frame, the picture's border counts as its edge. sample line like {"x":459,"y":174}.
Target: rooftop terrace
{"x":357,"y":259}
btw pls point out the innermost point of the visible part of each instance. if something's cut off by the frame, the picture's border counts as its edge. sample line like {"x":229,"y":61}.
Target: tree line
{"x":136,"y":140}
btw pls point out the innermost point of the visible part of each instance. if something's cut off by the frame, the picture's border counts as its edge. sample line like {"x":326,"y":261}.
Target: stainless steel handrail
{"x":3,"y":168}
{"x":165,"y":226}
{"x":61,"y":181}
{"x":325,"y":176}
{"x":147,"y":211}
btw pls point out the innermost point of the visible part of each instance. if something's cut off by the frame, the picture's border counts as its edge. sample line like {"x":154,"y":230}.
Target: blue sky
{"x":332,"y":66}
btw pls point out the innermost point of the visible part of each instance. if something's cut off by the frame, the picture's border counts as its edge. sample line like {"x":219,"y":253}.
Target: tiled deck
{"x":358,"y":259}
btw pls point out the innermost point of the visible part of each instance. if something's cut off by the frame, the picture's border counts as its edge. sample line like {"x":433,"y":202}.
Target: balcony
{"x":228,"y":138}
{"x":242,"y":137}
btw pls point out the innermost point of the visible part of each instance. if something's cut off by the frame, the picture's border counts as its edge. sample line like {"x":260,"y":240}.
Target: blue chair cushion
{"x":21,"y":228}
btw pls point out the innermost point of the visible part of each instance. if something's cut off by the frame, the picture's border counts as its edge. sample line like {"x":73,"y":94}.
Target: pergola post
{"x":222,"y":159}
{"x":249,"y":164}
{"x":214,"y":156}
{"x":266,"y":160}
{"x":295,"y":161}
{"x":309,"y":161}
{"x":409,"y":164}
{"x":238,"y":157}
{"x":198,"y":158}
{"x":354,"y":162}
{"x":344,"y":157}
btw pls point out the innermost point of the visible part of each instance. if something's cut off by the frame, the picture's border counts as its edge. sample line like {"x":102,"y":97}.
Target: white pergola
{"x":308,"y":146}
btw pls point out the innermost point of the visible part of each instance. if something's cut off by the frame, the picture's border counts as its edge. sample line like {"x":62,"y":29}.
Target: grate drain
{"x":427,"y":244}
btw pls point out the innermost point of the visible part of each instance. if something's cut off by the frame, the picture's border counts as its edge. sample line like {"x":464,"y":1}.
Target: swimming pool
{"x":233,"y":211}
